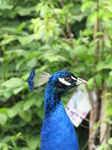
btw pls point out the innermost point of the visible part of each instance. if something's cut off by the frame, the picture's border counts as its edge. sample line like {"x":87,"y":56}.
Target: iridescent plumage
{"x":57,"y":130}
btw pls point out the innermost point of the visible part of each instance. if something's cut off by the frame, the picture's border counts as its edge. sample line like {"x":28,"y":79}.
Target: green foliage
{"x":36,"y":33}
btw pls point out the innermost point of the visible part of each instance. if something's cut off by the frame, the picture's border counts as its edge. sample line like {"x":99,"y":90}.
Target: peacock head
{"x":59,"y":82}
{"x":63,"y":81}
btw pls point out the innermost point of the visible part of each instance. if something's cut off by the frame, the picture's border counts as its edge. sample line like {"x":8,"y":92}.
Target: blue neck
{"x":52,"y":100}
{"x":57,"y":130}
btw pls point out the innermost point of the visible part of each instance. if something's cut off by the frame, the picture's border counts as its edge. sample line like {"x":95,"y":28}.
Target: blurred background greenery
{"x":75,"y":35}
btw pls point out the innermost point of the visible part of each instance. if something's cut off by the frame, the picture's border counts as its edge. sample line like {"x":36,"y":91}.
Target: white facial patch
{"x":73,"y":78}
{"x":62,"y":80}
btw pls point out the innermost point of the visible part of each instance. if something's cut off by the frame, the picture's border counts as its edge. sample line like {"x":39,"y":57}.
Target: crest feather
{"x":41,"y":78}
{"x":37,"y":79}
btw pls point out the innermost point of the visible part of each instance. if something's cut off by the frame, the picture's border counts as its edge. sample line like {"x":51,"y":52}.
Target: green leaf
{"x":38,"y":102}
{"x":6,"y":139}
{"x":109,"y":81}
{"x":25,"y":148}
{"x":13,"y":82}
{"x":26,"y":39}
{"x":40,"y":112}
{"x":56,"y":58}
{"x":20,"y":27}
{"x":17,"y":90}
{"x":3,"y":119}
{"x":86,"y":5}
{"x":25,"y":115}
{"x":102,"y":147}
{"x":98,"y":79}
{"x":29,"y":102}
{"x":7,"y":40}
{"x":3,"y":7}
{"x":110,"y":141}
{"x":13,"y":111}
{"x":33,"y":143}
{"x":96,"y":125}
{"x":108,"y":43}
{"x":91,"y":83}
{"x":108,"y":120}
{"x":32,"y":62}
{"x":108,"y":94}
{"x":81,"y":51}
{"x":93,"y":17}
{"x":102,"y":65}
{"x":8,"y":93}
{"x":26,"y":11}
{"x":3,"y":110}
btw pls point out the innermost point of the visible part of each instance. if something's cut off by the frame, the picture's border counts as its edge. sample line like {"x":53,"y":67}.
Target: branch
{"x":90,"y":97}
{"x":64,"y":34}
{"x":71,"y":35}
{"x":96,"y":29}
{"x":105,"y":133}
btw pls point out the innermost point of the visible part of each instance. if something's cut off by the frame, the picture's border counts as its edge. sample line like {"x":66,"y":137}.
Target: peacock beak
{"x":81,"y":81}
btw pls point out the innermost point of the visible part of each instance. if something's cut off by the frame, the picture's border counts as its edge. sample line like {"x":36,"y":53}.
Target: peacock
{"x":57,"y":131}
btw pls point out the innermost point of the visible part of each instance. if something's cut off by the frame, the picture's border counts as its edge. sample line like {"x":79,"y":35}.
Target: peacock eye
{"x":68,"y":79}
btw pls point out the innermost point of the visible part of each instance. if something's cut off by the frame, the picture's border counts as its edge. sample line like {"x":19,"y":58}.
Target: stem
{"x":96,"y":29}
{"x":71,"y":35}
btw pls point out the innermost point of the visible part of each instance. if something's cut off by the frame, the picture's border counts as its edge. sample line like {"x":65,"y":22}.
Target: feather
{"x":37,"y":79}
{"x":41,"y":78}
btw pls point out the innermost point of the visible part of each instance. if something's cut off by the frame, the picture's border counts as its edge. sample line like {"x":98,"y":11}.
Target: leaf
{"x":110,"y":141}
{"x":13,"y":82}
{"x":17,"y":90}
{"x":102,"y":65}
{"x":6,"y":139}
{"x":108,"y":94}
{"x":32,"y":62}
{"x":8,"y":93}
{"x":25,"y":115}
{"x":90,"y":83}
{"x":86,"y":5}
{"x":102,"y":147}
{"x":109,"y":81}
{"x":26,"y":39}
{"x":26,"y":11}
{"x":98,"y":79}
{"x":20,"y":27}
{"x":33,"y":143}
{"x":3,"y":110}
{"x":40,"y":112}
{"x":38,"y":102}
{"x":7,"y":40}
{"x":108,"y":43}
{"x":108,"y":120}
{"x":13,"y":111}
{"x":25,"y":148}
{"x":96,"y":125}
{"x":29,"y":102}
{"x":81,"y":51}
{"x":22,"y":39}
{"x":92,"y":17}
{"x":3,"y":119}
{"x":3,"y":7}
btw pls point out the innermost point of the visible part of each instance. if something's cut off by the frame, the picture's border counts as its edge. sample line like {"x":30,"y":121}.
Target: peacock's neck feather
{"x":52,"y":100}
{"x":57,"y":129}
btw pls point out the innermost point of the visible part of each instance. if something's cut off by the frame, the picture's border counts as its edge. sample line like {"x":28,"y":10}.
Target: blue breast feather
{"x":58,"y":132}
